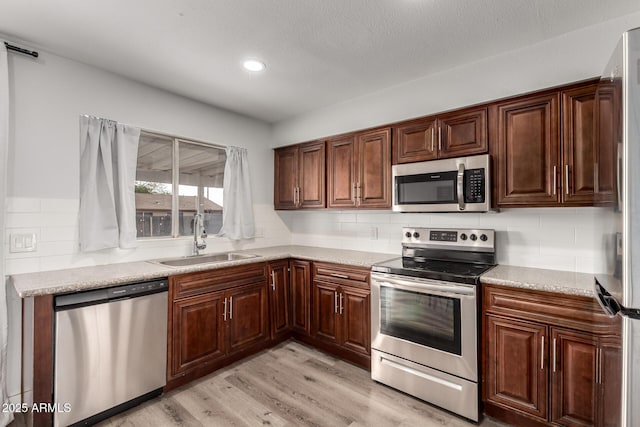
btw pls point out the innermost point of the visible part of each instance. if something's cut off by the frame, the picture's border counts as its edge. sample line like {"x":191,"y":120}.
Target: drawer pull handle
{"x":339,"y":276}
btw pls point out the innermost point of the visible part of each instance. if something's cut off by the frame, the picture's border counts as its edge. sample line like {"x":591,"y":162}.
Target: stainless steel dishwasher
{"x":110,"y":350}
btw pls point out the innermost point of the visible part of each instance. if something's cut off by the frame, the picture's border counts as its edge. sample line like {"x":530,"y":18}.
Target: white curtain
{"x":108,"y":158}
{"x":237,"y":213}
{"x":5,"y":416}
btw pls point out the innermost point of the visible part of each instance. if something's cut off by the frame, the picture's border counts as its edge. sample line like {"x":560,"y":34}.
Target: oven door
{"x":429,"y":322}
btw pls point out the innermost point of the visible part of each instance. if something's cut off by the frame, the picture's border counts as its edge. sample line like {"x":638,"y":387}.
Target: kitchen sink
{"x":205,"y":259}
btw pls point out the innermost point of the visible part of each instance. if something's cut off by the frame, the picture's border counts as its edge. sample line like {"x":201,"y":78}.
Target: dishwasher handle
{"x":100,"y":296}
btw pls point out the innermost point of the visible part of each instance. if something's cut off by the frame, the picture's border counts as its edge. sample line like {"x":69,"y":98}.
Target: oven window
{"x":430,"y":320}
{"x":426,"y":188}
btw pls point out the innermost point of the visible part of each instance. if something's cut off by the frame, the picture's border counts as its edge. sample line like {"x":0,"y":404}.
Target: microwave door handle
{"x":461,"y":187}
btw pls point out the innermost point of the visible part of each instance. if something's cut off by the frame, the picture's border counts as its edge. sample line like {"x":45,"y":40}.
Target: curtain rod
{"x":21,"y":50}
{"x":166,"y":135}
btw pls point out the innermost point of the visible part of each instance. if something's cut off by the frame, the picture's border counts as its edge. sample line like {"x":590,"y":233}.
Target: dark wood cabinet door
{"x":311,"y":181}
{"x":279,"y":307}
{"x":354,"y":308}
{"x":573,"y":378}
{"x":516,"y":365}
{"x":247,"y":317}
{"x":341,"y":172}
{"x":285,"y":177}
{"x":526,"y":137}
{"x":374,"y":169}
{"x":415,"y":141}
{"x":578,"y":145}
{"x":607,"y":130}
{"x":609,"y":380}
{"x":325,"y":312}
{"x":463,"y":133}
{"x":198,"y":332}
{"x":300,"y":277}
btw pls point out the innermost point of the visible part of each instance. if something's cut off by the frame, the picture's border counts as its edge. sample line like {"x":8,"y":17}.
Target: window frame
{"x":175,"y":180}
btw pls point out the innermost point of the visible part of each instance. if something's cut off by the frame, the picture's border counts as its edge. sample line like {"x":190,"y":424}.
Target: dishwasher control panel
{"x":99,"y":296}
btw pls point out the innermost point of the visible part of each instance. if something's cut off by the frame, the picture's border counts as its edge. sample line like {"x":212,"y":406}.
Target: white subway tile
{"x":22,"y":265}
{"x":59,"y":234}
{"x":59,"y":219}
{"x":373,"y":217}
{"x":22,"y":220}
{"x":455,"y":220}
{"x":553,"y":233}
{"x":60,"y":205}
{"x":23,"y":205}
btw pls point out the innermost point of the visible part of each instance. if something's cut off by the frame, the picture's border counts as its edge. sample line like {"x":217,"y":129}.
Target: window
{"x":195,"y":169}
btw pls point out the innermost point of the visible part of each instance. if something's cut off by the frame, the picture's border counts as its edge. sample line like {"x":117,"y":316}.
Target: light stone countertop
{"x":565,"y":282}
{"x":100,"y":276}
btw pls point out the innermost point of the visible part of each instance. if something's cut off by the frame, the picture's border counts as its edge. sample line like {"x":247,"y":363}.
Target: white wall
{"x":556,"y":238}
{"x":47,"y":96}
{"x":574,"y":56}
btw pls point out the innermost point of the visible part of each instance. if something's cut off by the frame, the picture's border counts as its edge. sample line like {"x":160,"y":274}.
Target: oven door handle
{"x":428,"y":288}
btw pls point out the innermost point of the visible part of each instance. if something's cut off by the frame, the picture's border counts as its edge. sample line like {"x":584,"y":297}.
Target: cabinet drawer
{"x":338,"y":273}
{"x":570,"y":311}
{"x":185,"y":285}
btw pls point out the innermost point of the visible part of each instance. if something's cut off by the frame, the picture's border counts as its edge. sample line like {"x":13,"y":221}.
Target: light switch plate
{"x":23,"y":242}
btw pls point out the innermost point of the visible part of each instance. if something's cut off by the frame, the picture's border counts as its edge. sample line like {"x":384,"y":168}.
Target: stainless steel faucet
{"x":198,"y":233}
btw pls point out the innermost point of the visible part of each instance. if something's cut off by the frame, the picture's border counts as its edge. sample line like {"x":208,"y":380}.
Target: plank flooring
{"x":288,"y":385}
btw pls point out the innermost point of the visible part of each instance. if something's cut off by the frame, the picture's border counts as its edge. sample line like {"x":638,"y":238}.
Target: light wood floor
{"x":288,"y":385}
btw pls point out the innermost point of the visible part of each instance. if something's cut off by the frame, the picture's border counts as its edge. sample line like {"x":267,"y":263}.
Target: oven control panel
{"x":460,"y":238}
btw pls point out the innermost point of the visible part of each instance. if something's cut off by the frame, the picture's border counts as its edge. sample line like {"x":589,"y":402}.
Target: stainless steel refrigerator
{"x":617,"y":193}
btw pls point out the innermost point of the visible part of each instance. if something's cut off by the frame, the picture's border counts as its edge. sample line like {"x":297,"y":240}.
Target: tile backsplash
{"x":554,"y":238}
{"x":55,"y":225}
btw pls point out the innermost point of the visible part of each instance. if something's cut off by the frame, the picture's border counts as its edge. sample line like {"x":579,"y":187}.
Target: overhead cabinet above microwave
{"x":459,"y":133}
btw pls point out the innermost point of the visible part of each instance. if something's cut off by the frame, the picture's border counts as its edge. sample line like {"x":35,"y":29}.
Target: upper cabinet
{"x":549,"y":148}
{"x":607,"y":136}
{"x":359,"y":170}
{"x":525,"y":140}
{"x":299,"y":176}
{"x":542,"y":146}
{"x":459,"y":133}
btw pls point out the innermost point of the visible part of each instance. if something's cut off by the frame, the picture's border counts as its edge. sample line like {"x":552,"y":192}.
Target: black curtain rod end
{"x":21,"y":50}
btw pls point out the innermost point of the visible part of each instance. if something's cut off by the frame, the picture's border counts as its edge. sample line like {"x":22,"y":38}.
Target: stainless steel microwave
{"x":461,"y":184}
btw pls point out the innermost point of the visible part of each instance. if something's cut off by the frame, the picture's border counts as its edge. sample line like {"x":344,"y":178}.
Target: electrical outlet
{"x":373,"y":235}
{"x":23,"y":242}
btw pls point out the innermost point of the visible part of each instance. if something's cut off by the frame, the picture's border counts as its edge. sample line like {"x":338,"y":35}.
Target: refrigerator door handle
{"x":612,"y":307}
{"x":608,"y":304}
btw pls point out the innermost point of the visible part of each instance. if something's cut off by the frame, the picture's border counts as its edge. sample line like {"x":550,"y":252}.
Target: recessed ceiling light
{"x":253,"y":65}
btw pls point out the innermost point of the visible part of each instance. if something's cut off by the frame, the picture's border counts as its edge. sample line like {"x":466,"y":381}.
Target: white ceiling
{"x":318,"y":52}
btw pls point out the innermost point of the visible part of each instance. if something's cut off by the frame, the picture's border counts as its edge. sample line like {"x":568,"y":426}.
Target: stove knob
{"x":473,"y":237}
{"x":407,"y":235}
{"x":463,"y":236}
{"x":483,"y":237}
{"x":416,"y":235}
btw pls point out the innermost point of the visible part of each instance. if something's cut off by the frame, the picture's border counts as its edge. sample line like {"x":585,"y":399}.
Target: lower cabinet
{"x":279,"y":297}
{"x":215,"y":317}
{"x":550,"y":359}
{"x":341,"y":311}
{"x":219,"y":316}
{"x":300,"y":281}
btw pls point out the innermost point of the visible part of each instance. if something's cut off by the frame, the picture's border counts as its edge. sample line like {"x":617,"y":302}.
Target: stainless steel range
{"x":424,"y":316}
